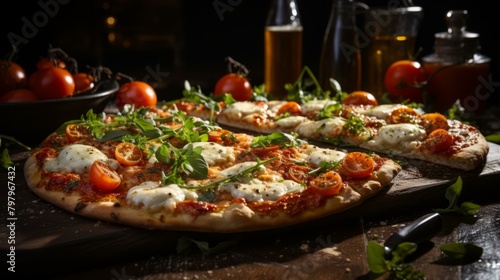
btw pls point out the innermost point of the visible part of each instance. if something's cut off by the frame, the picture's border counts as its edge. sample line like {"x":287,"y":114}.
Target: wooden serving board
{"x":43,"y":230}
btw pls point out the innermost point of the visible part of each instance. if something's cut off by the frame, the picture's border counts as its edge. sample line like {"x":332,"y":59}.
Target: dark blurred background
{"x":168,"y":41}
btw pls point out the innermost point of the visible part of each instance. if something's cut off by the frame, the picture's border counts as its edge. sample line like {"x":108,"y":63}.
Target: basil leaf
{"x":462,"y":251}
{"x":495,"y":138}
{"x":5,"y":159}
{"x":198,"y":164}
{"x":163,"y":155}
{"x":376,"y":257}
{"x":275,"y":138}
{"x":111,"y":135}
{"x":469,"y":208}
{"x":454,"y":191}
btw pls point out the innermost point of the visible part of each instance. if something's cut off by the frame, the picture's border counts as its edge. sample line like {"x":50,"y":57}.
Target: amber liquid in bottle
{"x":283,"y":58}
{"x":379,"y":55}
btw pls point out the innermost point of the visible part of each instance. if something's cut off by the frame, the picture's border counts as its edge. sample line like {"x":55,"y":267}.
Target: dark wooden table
{"x":50,"y":242}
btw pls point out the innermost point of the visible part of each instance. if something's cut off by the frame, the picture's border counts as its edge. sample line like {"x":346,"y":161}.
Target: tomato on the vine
{"x":51,"y":82}
{"x":18,"y":95}
{"x":235,"y":84}
{"x":360,"y":98}
{"x":83,"y":82}
{"x":12,"y":76}
{"x":404,"y":79}
{"x":136,"y":93}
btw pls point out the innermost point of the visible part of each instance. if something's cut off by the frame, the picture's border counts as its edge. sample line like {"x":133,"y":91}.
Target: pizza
{"x":391,"y":129}
{"x":163,"y":169}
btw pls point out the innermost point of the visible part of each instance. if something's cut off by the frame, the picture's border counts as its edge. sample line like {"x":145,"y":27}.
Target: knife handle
{"x":421,"y":230}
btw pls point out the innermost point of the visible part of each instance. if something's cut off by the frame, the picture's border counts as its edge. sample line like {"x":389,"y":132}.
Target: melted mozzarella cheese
{"x":214,"y":153}
{"x":237,"y":168}
{"x":75,"y":158}
{"x":315,"y":105}
{"x":244,"y":108}
{"x":397,"y":138}
{"x":154,"y":196}
{"x":381,"y":111}
{"x":257,"y":190}
{"x":393,"y":134}
{"x":290,"y":122}
{"x":324,"y":155}
{"x":325,"y":128}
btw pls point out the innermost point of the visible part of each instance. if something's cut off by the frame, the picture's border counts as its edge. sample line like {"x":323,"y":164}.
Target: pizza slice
{"x":161,"y":169}
{"x":394,"y":129}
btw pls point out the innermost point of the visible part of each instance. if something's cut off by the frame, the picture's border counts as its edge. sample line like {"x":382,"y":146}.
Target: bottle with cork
{"x":457,"y":71}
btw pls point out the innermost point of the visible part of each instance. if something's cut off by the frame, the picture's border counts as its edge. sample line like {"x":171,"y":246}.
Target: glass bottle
{"x":283,"y":47}
{"x":340,"y":53}
{"x":457,"y":71}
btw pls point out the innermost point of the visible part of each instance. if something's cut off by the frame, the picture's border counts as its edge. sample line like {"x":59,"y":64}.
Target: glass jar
{"x":457,"y":71}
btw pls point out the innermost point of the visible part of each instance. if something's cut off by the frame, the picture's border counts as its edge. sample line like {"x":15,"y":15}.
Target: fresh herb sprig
{"x":5,"y":160}
{"x":277,"y":138}
{"x":307,"y":88}
{"x":246,"y":172}
{"x":452,"y":194}
{"x":396,"y":265}
{"x":187,"y":161}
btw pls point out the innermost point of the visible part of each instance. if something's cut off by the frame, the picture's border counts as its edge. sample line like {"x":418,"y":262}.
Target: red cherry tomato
{"x":327,"y":184}
{"x":128,"y":153}
{"x":12,"y":76}
{"x":360,"y":98}
{"x":404,"y":79}
{"x":235,"y":84}
{"x":52,"y":83}
{"x":18,"y":95}
{"x":291,"y":107}
{"x":103,"y":177}
{"x":76,"y":132}
{"x":137,"y":93}
{"x":358,"y":165}
{"x":83,"y":82}
{"x":437,"y":140}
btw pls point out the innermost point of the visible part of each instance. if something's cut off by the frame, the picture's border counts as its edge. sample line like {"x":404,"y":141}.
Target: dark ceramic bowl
{"x":31,"y":122}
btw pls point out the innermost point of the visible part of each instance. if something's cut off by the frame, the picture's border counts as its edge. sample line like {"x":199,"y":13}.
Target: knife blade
{"x":419,"y":231}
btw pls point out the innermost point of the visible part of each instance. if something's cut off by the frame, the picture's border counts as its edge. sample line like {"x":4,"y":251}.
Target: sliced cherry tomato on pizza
{"x":403,"y":115}
{"x":128,"y":153}
{"x":220,"y":135}
{"x":360,"y":98}
{"x":265,"y":151}
{"x":18,"y":95}
{"x":103,"y":177}
{"x":437,"y":140}
{"x":433,"y":121}
{"x":297,"y":173}
{"x":291,"y":107}
{"x":235,"y":84}
{"x":358,"y":165}
{"x":76,"y":132}
{"x":327,"y":184}
{"x":137,"y":93}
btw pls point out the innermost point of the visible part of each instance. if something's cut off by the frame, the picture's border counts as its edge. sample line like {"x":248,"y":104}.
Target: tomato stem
{"x":238,"y":65}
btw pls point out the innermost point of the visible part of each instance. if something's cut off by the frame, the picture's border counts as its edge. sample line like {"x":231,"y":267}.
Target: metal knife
{"x":419,"y":231}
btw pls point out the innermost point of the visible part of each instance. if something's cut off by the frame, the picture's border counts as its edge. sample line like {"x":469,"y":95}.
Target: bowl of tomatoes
{"x":32,"y":121}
